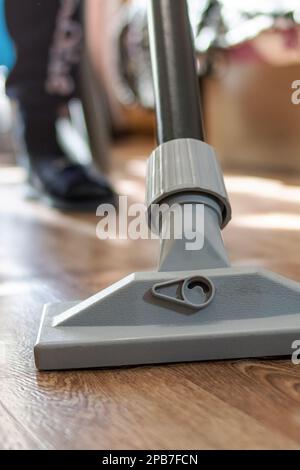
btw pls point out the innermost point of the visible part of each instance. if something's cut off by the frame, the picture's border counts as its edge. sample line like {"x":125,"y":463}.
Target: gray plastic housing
{"x":253,"y":313}
{"x":186,"y":166}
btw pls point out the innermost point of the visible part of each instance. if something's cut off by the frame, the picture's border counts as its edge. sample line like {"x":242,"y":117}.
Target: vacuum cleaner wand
{"x":196,"y":306}
{"x":176,"y":84}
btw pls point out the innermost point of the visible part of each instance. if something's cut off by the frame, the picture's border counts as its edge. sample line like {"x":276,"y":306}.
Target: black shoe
{"x":68,"y":186}
{"x":54,"y":177}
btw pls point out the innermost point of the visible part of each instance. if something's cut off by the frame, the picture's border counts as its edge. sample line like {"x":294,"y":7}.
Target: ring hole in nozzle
{"x":198,"y":292}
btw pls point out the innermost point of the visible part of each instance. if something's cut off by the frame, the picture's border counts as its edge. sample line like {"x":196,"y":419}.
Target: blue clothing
{"x":7,"y":50}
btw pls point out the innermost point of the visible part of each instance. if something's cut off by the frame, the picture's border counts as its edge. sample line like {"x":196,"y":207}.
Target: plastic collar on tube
{"x":186,"y":165}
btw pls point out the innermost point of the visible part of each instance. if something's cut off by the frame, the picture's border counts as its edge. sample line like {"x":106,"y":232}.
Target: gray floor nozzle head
{"x":252,"y":314}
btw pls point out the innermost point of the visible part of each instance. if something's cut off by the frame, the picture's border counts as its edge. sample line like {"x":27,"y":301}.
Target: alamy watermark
{"x":162,"y":221}
{"x":295,"y":97}
{"x":296,"y":353}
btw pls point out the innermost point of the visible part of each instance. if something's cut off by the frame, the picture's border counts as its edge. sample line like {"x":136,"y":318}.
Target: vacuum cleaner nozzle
{"x":180,"y":313}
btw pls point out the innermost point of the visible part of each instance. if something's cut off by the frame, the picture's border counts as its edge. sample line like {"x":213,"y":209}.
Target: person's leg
{"x":48,"y":39}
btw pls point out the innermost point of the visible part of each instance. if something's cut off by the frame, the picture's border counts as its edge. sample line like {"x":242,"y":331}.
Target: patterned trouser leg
{"x":48,"y":38}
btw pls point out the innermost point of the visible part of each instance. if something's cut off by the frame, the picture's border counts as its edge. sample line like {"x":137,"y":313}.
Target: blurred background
{"x":248,"y":56}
